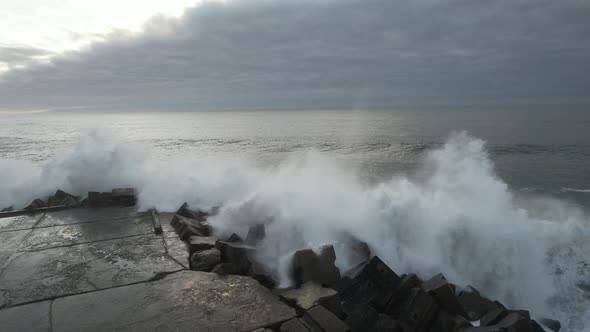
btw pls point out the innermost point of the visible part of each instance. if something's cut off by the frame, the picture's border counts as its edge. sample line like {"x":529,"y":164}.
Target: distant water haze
{"x":495,"y":199}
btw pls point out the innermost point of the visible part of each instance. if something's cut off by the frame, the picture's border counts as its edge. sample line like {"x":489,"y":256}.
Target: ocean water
{"x":497,"y":199}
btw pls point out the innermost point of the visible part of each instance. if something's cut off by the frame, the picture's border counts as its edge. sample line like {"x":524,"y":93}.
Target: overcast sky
{"x":250,"y":54}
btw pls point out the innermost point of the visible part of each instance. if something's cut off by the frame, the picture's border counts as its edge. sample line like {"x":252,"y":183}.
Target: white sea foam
{"x":454,"y":215}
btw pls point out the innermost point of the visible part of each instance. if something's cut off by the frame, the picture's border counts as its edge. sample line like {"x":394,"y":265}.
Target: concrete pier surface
{"x":105,"y":269}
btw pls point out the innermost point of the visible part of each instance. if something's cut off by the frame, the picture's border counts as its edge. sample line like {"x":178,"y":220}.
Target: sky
{"x":273,"y":54}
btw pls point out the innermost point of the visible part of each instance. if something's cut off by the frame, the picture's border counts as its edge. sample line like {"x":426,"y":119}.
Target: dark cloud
{"x":11,"y":55}
{"x":325,"y":54}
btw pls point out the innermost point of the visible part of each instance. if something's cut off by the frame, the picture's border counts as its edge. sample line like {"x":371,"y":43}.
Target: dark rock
{"x":366,"y":318}
{"x":261,"y":274}
{"x":69,"y":201}
{"x":536,"y":327}
{"x":320,"y":319}
{"x":238,"y":254}
{"x":156,"y":221}
{"x":124,"y":196}
{"x":493,"y":317}
{"x":97,"y":199}
{"x":293,"y":325}
{"x":36,"y":204}
{"x":415,"y":310}
{"x":199,"y":243}
{"x":311,"y":294}
{"x":205,"y":260}
{"x":186,"y":212}
{"x":234,"y":238}
{"x":408,"y":282}
{"x":373,"y":283}
{"x":552,"y":324}
{"x":7,"y":209}
{"x":225,"y":269}
{"x":62,"y":198}
{"x":449,"y":322}
{"x":443,"y":293}
{"x":186,"y":227}
{"x":307,"y":266}
{"x":256,"y":234}
{"x":475,"y":304}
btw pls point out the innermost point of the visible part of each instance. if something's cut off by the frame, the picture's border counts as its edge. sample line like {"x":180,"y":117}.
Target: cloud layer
{"x":324,"y":54}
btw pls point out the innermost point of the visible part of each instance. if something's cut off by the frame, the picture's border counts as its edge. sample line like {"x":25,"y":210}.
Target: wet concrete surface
{"x":106,"y":270}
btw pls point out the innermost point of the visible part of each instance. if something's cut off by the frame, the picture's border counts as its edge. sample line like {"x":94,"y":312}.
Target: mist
{"x":452,"y":215}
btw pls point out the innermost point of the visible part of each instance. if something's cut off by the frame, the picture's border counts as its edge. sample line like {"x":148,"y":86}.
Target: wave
{"x":457,"y":217}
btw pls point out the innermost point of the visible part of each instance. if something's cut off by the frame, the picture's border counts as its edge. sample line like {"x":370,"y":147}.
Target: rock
{"x":319,"y":318}
{"x":7,"y":209}
{"x":475,"y":304}
{"x":97,"y":199}
{"x":493,"y":317}
{"x":186,"y":212}
{"x":198,"y":243}
{"x":359,"y":253}
{"x":365,"y":318}
{"x":262,"y":330}
{"x":186,"y":227}
{"x":36,"y":204}
{"x":205,"y":260}
{"x":443,"y":293}
{"x":415,"y":310}
{"x":446,"y":321}
{"x":261,"y":274}
{"x":69,"y":201}
{"x":373,"y":283}
{"x":62,"y":198}
{"x":307,"y":266}
{"x":536,"y":327}
{"x":124,"y":196}
{"x":234,"y":238}
{"x":310,"y":295}
{"x":552,"y":324}
{"x":238,"y":254}
{"x":294,"y":325}
{"x":255,"y":234}
{"x":225,"y":269}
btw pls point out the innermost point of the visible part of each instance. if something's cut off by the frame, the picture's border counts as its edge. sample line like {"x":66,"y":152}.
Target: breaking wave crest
{"x":454,"y":215}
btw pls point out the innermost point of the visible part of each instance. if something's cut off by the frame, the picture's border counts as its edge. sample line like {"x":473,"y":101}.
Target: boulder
{"x":186,"y":227}
{"x":319,"y":318}
{"x":7,"y":209}
{"x":234,"y":238}
{"x":493,"y":317}
{"x":308,"y":266}
{"x":199,"y":243}
{"x":446,"y":321}
{"x":311,"y":294}
{"x":256,"y":234}
{"x":98,"y":199}
{"x":62,"y":198}
{"x":36,"y":204}
{"x":261,"y":274}
{"x":186,"y":212}
{"x":373,"y":283}
{"x":225,"y":269}
{"x":238,"y":254}
{"x":366,"y":318}
{"x":552,"y":324}
{"x":205,"y":260}
{"x":69,"y":201}
{"x":124,"y":196}
{"x":475,"y":304}
{"x":415,"y":310}
{"x":443,"y":293}
{"x":293,"y":325}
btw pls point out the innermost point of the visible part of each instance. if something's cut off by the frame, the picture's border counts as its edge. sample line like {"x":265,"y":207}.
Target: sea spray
{"x":454,"y":215}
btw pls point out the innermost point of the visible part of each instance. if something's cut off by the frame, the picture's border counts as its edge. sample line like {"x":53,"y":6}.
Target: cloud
{"x":324,"y":54}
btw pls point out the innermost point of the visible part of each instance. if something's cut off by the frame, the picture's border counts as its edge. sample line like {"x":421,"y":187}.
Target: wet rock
{"x":493,"y":317}
{"x":225,"y":269}
{"x":98,"y":199}
{"x":536,"y":327}
{"x":366,"y":318}
{"x":238,"y":254}
{"x":373,"y":283}
{"x":186,"y":212}
{"x":415,"y":310}
{"x":552,"y":324}
{"x":261,"y":274}
{"x":198,"y":243}
{"x":256,"y":234}
{"x":124,"y":196}
{"x":307,"y":266}
{"x":36,"y":204}
{"x":234,"y":238}
{"x":293,"y":325}
{"x":321,"y":319}
{"x":446,"y":321}
{"x":7,"y":209}
{"x":69,"y":201}
{"x":205,"y":260}
{"x":62,"y":198}
{"x":186,"y":227}
{"x":310,"y":295}
{"x":475,"y":304}
{"x":443,"y":293}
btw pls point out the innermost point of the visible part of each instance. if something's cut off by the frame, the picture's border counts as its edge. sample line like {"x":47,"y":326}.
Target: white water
{"x":454,"y":215}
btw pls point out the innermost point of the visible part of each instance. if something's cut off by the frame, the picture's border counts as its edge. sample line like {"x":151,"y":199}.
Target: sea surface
{"x":543,"y":151}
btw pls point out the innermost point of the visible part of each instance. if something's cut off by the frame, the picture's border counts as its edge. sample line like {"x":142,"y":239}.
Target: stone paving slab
{"x":27,"y":318}
{"x":183,"y":301}
{"x":177,"y":249}
{"x":38,"y":275}
{"x":64,"y":235}
{"x":19,"y":222}
{"x":88,"y":215}
{"x":9,"y":243}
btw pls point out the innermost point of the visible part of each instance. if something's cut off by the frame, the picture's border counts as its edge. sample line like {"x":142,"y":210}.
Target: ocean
{"x":495,"y":198}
